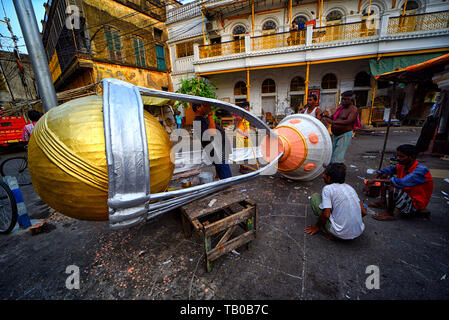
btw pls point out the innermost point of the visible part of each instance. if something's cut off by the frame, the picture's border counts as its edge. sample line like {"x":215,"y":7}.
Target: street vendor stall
{"x":436,"y":70}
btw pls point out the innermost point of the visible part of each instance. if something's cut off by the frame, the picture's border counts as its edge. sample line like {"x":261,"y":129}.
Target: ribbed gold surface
{"x":67,"y":158}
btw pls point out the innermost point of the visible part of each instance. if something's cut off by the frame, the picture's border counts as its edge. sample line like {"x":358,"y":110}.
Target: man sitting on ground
{"x":409,"y":191}
{"x":338,"y":209}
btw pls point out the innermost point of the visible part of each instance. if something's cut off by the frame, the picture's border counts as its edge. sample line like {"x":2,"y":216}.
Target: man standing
{"x":409,"y":191}
{"x":220,"y":154}
{"x":311,"y":108}
{"x":242,"y":134}
{"x":178,"y":118}
{"x":34,"y":116}
{"x":342,"y":123}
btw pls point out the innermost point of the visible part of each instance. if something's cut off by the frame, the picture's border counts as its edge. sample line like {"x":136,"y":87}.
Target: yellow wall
{"x":140,"y":77}
{"x":55,"y":68}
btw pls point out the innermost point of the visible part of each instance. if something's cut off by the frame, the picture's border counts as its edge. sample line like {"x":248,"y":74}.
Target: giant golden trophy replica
{"x":104,"y":158}
{"x":68,"y":145}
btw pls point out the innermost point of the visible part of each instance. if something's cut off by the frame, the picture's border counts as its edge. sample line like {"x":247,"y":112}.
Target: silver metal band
{"x":126,"y":152}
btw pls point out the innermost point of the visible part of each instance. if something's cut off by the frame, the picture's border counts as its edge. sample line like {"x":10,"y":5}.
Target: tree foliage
{"x":195,"y":87}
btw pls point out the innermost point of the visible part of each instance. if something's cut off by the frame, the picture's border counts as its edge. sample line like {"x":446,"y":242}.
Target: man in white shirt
{"x":338,"y":208}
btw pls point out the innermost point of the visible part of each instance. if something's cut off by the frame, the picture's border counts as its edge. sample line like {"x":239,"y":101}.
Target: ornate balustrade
{"x":419,"y":22}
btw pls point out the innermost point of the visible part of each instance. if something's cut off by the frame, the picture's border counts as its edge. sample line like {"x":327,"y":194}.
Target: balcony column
{"x":247,"y":43}
{"x":306,"y":89}
{"x":196,"y":52}
{"x":248,"y":85}
{"x":384,"y":25}
{"x":309,"y":35}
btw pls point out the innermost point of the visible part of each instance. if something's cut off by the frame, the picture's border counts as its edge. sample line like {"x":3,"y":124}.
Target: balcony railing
{"x":222,"y":49}
{"x":340,"y":32}
{"x":347,"y":31}
{"x":279,"y":40}
{"x":419,"y":22}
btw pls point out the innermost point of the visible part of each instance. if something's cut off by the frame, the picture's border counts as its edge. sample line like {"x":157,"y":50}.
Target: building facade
{"x":252,"y":51}
{"x":88,"y":40}
{"x":17,"y":82}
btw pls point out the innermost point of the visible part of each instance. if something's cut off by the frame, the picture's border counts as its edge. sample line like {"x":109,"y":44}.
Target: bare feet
{"x":384,"y":216}
{"x":379,"y":204}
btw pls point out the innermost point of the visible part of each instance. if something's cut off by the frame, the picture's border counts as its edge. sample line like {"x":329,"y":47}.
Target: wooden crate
{"x":228,"y":223}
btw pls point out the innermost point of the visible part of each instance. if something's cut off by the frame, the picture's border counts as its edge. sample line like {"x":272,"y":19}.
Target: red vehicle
{"x":11,"y":130}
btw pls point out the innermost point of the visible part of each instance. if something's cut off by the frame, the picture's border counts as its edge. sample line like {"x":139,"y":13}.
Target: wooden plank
{"x":229,"y":221}
{"x":207,"y":247}
{"x":230,"y":245}
{"x":256,"y":220}
{"x":201,"y":208}
{"x":187,"y":226}
{"x":186,"y":174}
{"x":195,"y":223}
{"x":226,"y":236}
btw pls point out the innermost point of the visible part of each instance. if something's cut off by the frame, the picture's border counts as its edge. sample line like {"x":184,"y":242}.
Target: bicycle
{"x":8,"y":209}
{"x":17,"y":167}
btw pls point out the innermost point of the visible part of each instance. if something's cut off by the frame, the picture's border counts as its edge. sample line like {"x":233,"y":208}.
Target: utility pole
{"x":7,"y":81}
{"x":36,"y":52}
{"x":6,"y":78}
{"x":19,"y":63}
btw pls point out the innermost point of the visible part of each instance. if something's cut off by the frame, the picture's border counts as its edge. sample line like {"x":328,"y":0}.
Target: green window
{"x":114,"y":43}
{"x":160,"y":58}
{"x":139,"y":51}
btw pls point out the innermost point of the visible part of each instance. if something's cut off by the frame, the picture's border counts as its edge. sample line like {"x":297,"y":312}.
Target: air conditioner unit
{"x":211,"y":26}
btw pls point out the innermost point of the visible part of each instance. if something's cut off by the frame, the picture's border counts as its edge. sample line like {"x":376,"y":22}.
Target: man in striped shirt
{"x":409,"y":191}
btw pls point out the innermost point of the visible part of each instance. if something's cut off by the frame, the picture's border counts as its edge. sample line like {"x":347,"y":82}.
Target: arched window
{"x":300,"y":22}
{"x":297,"y":84}
{"x":139,"y":51}
{"x":269,"y":25}
{"x":362,"y":79}
{"x":113,"y":43}
{"x":329,"y":81}
{"x":334,"y":15}
{"x":268,"y":86}
{"x":239,"y":29}
{"x":411,"y":5}
{"x":240,"y":89}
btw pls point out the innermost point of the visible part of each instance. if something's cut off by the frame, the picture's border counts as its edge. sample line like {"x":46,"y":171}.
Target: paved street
{"x":156,"y":261}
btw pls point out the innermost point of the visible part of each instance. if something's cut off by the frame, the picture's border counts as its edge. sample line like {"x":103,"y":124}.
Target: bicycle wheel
{"x":8,"y":209}
{"x":16,"y":167}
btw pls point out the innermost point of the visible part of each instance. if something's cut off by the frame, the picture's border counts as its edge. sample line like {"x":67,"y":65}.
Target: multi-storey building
{"x":251,"y":51}
{"x":88,"y":40}
{"x":17,"y":82}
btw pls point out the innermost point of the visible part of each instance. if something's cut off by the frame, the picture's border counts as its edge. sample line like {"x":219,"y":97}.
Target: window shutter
{"x":107,"y":33}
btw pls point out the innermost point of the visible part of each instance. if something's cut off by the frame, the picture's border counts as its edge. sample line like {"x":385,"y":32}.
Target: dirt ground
{"x":155,"y":261}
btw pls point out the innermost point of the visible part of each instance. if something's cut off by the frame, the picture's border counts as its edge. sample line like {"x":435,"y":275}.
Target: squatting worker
{"x":338,"y":208}
{"x":409,"y":192}
{"x":204,"y":115}
{"x":342,"y":124}
{"x":311,"y":108}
